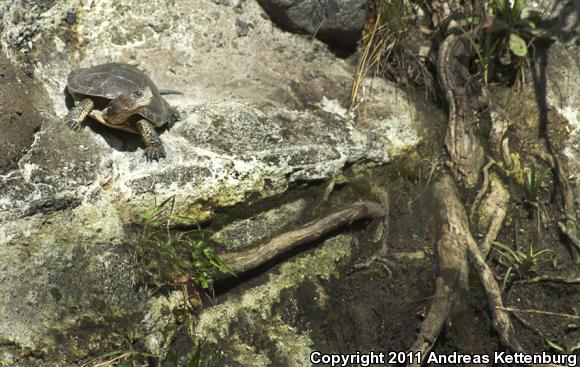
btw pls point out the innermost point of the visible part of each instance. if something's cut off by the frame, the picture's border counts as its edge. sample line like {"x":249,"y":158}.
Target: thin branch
{"x":540,"y":312}
{"x":243,"y":261}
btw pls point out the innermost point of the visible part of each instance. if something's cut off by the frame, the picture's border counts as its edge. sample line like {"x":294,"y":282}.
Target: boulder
{"x":337,"y":22}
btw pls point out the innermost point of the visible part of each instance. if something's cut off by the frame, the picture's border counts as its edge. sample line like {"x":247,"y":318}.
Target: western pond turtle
{"x":122,"y":97}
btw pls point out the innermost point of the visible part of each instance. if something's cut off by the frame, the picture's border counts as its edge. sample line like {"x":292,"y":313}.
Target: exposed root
{"x":500,"y":318}
{"x":453,"y":270}
{"x":496,"y":136}
{"x":243,"y":261}
{"x":484,"y":186}
{"x":380,"y":255}
{"x":541,"y":312}
{"x":452,"y":260}
{"x":463,"y":145}
{"x":505,"y":151}
{"x":548,"y":278}
{"x":495,"y":206}
{"x":568,"y":225}
{"x":570,"y":232}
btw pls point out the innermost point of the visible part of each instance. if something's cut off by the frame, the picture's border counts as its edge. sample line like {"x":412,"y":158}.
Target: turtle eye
{"x":138,"y":93}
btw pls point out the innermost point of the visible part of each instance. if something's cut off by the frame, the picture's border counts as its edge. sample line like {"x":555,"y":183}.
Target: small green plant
{"x":533,"y":184}
{"x":511,"y":21}
{"x":195,"y":361}
{"x":524,"y":264}
{"x":126,"y":356}
{"x":509,"y":31}
{"x":134,"y":358}
{"x":171,"y":257}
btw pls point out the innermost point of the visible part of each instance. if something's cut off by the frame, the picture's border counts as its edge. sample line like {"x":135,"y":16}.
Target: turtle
{"x":122,"y":97}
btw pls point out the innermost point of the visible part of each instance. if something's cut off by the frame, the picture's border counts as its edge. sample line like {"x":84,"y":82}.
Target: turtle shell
{"x":111,"y":80}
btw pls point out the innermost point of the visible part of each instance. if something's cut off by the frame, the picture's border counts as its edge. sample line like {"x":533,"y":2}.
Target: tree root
{"x":568,"y":225}
{"x":499,"y":128}
{"x":463,"y":145}
{"x":497,"y":203}
{"x":548,"y":278}
{"x":541,"y":312}
{"x":452,"y":261}
{"x":380,"y":237}
{"x":484,"y":187}
{"x":243,"y":261}
{"x":569,"y":231}
{"x":455,"y":241}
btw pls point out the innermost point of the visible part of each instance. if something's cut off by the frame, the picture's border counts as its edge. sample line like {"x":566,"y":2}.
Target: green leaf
{"x":500,"y":6}
{"x":509,"y":252}
{"x":499,"y":25}
{"x":532,"y":15}
{"x":555,"y":346}
{"x":540,"y":32}
{"x":167,"y":200}
{"x":518,"y":45}
{"x":527,"y":23}
{"x":536,"y":254}
{"x":208,"y":252}
{"x":543,"y":176}
{"x":506,"y":278}
{"x":195,"y":360}
{"x":473,"y":20}
{"x":204,"y":283}
{"x":517,"y":8}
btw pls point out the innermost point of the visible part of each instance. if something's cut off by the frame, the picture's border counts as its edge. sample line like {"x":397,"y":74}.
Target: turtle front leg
{"x":78,"y":113}
{"x":153,"y":145}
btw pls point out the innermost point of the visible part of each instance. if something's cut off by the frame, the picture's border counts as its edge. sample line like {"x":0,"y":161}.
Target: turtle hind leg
{"x":78,"y":113}
{"x":153,"y":145}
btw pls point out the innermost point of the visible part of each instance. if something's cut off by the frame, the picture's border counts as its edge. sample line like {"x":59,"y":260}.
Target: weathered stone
{"x":562,"y":69}
{"x":256,"y":230}
{"x":338,"y":22}
{"x":280,"y":343}
{"x":19,"y":123}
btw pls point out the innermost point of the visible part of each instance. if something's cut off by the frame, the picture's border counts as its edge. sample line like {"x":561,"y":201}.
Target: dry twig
{"x":243,"y":261}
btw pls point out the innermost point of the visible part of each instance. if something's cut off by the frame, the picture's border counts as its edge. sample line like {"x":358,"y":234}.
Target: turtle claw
{"x":154,"y":153}
{"x":73,"y":125}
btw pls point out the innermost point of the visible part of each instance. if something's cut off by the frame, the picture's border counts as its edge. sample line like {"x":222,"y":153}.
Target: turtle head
{"x":128,"y":104}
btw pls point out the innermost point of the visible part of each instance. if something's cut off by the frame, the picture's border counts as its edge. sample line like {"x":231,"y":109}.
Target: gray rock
{"x":243,"y":28}
{"x":563,"y":86}
{"x":258,"y":229}
{"x":18,"y":123}
{"x":338,"y":22}
{"x":563,"y":19}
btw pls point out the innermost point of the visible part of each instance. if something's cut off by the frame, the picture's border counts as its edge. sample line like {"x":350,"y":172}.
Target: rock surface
{"x":338,"y":22}
{"x":19,"y":123}
{"x":563,"y":94}
{"x":262,"y":111}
